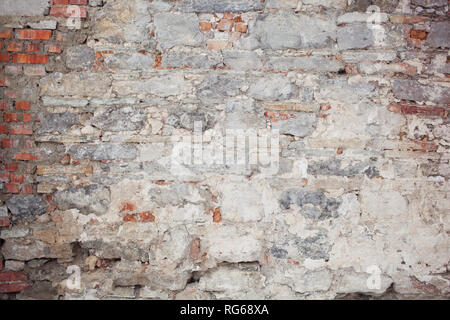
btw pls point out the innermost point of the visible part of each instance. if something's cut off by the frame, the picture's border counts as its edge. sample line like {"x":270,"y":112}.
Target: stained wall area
{"x":95,"y":97}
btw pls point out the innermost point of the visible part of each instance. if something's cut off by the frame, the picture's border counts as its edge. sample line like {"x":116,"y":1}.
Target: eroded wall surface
{"x":97,"y":95}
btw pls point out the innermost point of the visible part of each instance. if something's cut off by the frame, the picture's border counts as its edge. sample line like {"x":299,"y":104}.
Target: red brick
{"x":33,"y":47}
{"x":25,"y":156}
{"x":12,"y":276}
{"x":60,"y":2}
{"x":79,"y":2}
{"x":13,"y":166}
{"x":217,"y":216}
{"x":14,"y":46}
{"x":11,"y":188}
{"x":13,"y":287}
{"x":23,"y":105}
{"x":419,"y":110}
{"x":20,"y":130}
{"x":3,"y":129}
{"x":146,"y":216}
{"x":3,"y":106}
{"x":65,"y":12}
{"x":4,"y":222}
{"x":4,"y":57}
{"x":54,"y":48}
{"x":240,"y":27}
{"x":1,"y":264}
{"x":225,"y":25}
{"x":205,"y":26}
{"x":26,"y":34}
{"x":3,"y":82}
{"x":26,"y":117}
{"x":30,"y":58}
{"x":17,"y":178}
{"x":27,"y":189}
{"x":11,"y":117}
{"x":418,"y":34}
{"x":4,"y":177}
{"x":7,"y":143}
{"x":6,"y":34}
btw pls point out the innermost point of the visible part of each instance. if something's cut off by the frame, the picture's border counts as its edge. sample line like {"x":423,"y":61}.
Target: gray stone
{"x":222,"y":5}
{"x":128,"y":250}
{"x":26,"y":207}
{"x":129,"y":61}
{"x":25,"y":250}
{"x":430,"y":3}
{"x":80,"y":57}
{"x":103,"y":151}
{"x":163,"y":86}
{"x":43,"y":24}
{"x":275,"y":87}
{"x":57,"y":122}
{"x":304,"y":63}
{"x":281,"y":4}
{"x":91,"y":199}
{"x":313,"y":204}
{"x":75,"y":84}
{"x":241,"y":60}
{"x":187,"y":120}
{"x":364,"y":55}
{"x":341,"y":90}
{"x":12,"y":265}
{"x":176,"y":29}
{"x":299,"y":125}
{"x":358,"y":17}
{"x":119,"y":119}
{"x":123,"y":21}
{"x":194,"y":59}
{"x":337,"y":4}
{"x":219,"y":86}
{"x":285,"y":30}
{"x":354,"y":37}
{"x":58,"y":102}
{"x":439,"y":35}
{"x":338,"y":168}
{"x":15,"y":232}
{"x":23,"y":8}
{"x":315,"y":247}
{"x":413,"y":90}
{"x":3,"y":212}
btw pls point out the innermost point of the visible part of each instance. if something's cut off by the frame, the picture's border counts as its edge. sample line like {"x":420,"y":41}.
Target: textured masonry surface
{"x":91,"y":117}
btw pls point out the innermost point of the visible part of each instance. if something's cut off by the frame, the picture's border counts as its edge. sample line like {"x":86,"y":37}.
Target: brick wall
{"x":96,"y":95}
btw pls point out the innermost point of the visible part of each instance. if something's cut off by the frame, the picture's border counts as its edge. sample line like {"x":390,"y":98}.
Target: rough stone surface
{"x":439,"y":35}
{"x":225,"y":149}
{"x":23,"y":7}
{"x":285,"y":30}
{"x":80,"y":57}
{"x":176,"y":29}
{"x":26,"y":206}
{"x":91,"y":199}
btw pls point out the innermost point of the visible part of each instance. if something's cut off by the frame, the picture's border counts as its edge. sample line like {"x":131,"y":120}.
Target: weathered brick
{"x":30,"y":58}
{"x":4,"y":57}
{"x":23,"y":105}
{"x":68,"y":12}
{"x":6,"y":34}
{"x":14,"y":46}
{"x":25,"y":34}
